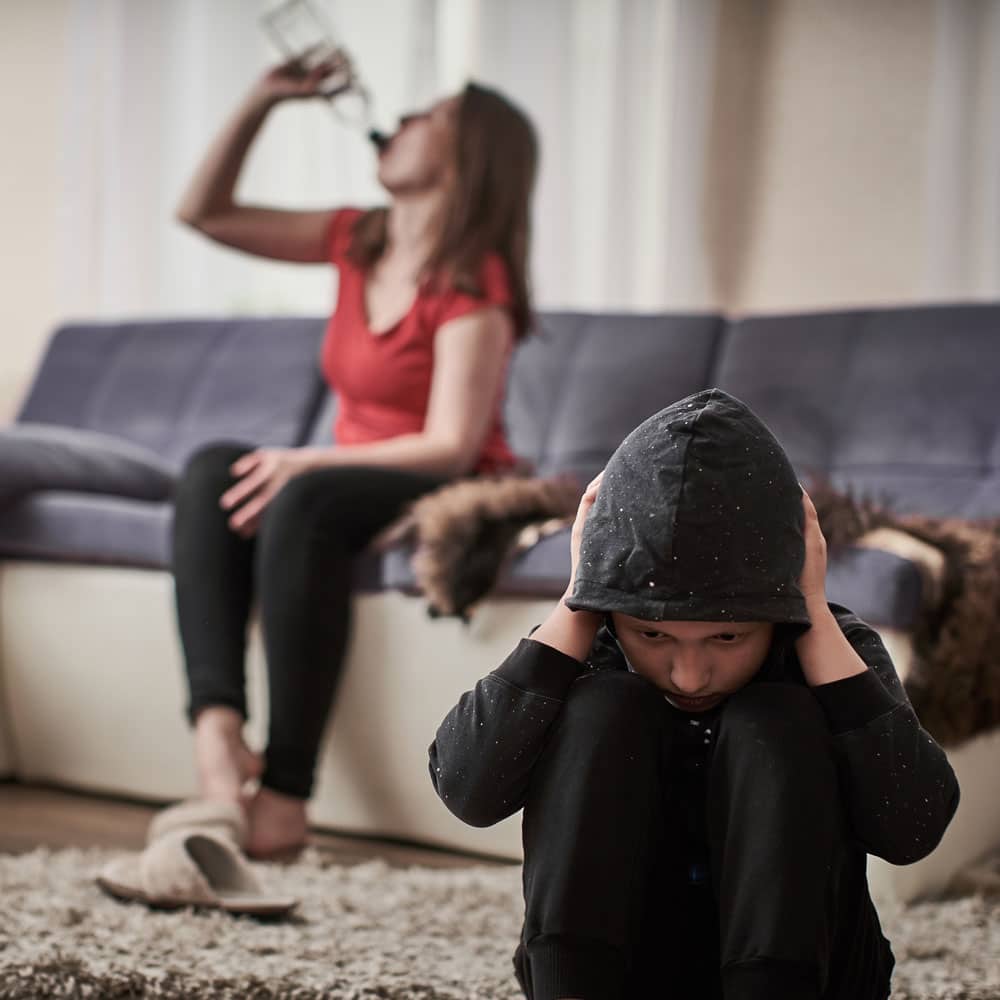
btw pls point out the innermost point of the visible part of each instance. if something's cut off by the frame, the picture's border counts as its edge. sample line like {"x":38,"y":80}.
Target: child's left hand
{"x":812,"y":580}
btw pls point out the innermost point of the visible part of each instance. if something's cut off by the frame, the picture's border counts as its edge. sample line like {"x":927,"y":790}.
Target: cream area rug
{"x":362,"y":931}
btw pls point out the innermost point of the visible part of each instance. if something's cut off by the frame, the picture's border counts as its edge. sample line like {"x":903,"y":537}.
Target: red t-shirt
{"x":383,"y":380}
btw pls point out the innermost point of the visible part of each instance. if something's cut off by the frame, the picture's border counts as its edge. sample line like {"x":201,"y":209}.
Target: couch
{"x":898,"y":403}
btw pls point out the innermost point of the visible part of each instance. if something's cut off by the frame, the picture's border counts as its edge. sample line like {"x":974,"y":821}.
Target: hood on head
{"x":698,"y":518}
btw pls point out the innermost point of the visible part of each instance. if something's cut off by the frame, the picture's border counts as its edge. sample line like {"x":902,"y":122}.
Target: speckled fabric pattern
{"x":698,"y":518}
{"x":363,"y":931}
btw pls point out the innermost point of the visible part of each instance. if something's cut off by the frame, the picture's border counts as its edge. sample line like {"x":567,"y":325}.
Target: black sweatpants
{"x":609,"y":913}
{"x":299,"y":570}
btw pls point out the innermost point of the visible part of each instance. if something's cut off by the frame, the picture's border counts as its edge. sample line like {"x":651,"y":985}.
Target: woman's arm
{"x":470,"y":361}
{"x":209,"y":204}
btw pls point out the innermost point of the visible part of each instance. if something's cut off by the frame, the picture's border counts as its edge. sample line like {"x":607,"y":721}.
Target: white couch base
{"x":94,"y":682}
{"x":93,"y":686}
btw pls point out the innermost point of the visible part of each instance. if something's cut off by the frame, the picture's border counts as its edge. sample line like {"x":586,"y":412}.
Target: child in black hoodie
{"x":704,"y":749}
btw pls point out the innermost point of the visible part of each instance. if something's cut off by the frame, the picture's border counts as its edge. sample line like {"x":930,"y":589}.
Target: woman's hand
{"x":812,"y":580}
{"x":586,"y":502}
{"x":262,"y":474}
{"x":291,"y":80}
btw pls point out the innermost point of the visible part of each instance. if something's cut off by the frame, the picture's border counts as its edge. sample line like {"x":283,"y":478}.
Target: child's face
{"x":694,"y":664}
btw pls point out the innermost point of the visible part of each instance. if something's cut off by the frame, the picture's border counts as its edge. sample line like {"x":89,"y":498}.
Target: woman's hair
{"x":496,"y":152}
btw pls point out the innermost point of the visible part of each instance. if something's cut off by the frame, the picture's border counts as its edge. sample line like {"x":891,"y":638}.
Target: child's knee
{"x":786,"y":709}
{"x":615,"y":705}
{"x":780,"y":725}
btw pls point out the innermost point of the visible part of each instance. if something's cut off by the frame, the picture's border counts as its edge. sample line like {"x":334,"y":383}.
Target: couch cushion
{"x":60,"y":526}
{"x":582,"y":382}
{"x":897,"y":404}
{"x":45,"y":456}
{"x":172,"y":386}
{"x":83,"y":528}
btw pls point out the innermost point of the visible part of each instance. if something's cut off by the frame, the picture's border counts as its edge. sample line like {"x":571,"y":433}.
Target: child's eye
{"x":652,"y":635}
{"x":729,"y":637}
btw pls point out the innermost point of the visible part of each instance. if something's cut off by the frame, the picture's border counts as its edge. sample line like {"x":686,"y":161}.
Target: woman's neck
{"x":414,"y":224}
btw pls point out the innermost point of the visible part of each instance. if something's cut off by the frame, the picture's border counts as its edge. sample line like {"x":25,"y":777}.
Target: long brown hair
{"x":496,"y":152}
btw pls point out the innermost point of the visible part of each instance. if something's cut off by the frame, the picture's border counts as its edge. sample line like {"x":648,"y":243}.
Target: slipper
{"x":191,"y":868}
{"x":225,"y":819}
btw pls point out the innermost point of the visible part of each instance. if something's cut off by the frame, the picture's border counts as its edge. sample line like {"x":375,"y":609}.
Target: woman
{"x":433,"y":294}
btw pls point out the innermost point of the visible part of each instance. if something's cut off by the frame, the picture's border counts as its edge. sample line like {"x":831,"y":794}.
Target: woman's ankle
{"x":220,"y":720}
{"x":224,"y":762}
{"x":279,"y":823}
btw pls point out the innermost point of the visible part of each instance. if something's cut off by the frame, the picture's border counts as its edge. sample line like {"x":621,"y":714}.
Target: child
{"x":704,"y":749}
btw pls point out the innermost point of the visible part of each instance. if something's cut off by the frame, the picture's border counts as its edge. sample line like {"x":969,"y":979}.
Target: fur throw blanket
{"x":954,"y":679}
{"x":465,"y":533}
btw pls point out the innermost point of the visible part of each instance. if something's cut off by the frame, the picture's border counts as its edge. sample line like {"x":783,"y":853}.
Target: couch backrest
{"x":172,"y":386}
{"x":583,"y":381}
{"x":901,"y":404}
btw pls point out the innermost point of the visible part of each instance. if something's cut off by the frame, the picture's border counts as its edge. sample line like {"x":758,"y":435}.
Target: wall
{"x":817,"y":188}
{"x":851,"y":156}
{"x":853,"y":153}
{"x":33,"y":42}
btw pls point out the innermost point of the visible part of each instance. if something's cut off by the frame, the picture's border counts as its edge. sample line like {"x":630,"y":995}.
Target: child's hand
{"x":812,"y":581}
{"x":586,"y":502}
{"x":572,"y":632}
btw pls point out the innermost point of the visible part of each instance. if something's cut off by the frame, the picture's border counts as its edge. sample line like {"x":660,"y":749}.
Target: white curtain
{"x":621,"y":93}
{"x":963,"y":152}
{"x":619,"y":90}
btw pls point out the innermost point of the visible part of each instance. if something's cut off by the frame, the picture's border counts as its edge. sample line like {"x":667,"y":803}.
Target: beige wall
{"x":33,"y":35}
{"x":819,"y":154}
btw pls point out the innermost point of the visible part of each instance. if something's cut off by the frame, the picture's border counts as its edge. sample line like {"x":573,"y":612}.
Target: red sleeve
{"x":340,"y":233}
{"x":495,"y":285}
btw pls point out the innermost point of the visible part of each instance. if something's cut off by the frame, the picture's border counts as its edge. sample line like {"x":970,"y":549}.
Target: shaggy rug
{"x":362,"y":931}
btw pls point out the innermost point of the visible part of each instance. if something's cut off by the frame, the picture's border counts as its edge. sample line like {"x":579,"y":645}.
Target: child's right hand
{"x":586,"y":502}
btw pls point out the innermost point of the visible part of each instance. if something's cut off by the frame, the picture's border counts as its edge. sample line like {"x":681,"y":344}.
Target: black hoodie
{"x":699,"y":517}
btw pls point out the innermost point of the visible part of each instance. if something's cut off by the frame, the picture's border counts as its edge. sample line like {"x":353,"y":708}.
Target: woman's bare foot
{"x":225,"y":763}
{"x":278,"y":824}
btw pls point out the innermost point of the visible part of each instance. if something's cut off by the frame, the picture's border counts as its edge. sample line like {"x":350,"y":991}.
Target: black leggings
{"x":299,"y":569}
{"x":607,"y":916}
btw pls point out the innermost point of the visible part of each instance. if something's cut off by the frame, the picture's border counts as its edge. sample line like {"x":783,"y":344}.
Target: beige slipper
{"x":191,"y":868}
{"x":226,"y":819}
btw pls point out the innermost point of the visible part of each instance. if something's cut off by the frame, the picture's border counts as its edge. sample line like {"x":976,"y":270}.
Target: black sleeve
{"x":482,"y":756}
{"x":900,"y":789}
